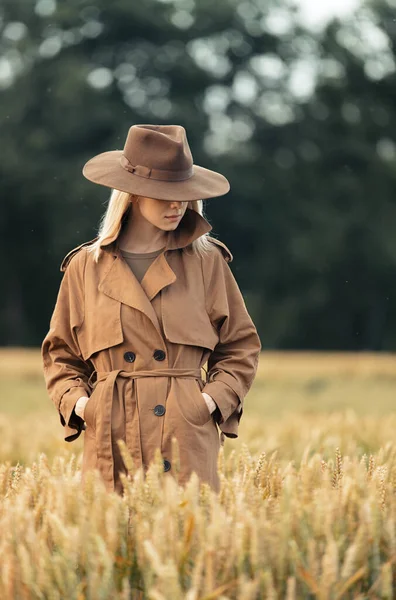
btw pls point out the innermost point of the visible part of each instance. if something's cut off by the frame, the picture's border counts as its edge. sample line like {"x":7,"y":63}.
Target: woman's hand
{"x":80,"y":406}
{"x":211,"y":404}
{"x":82,"y":401}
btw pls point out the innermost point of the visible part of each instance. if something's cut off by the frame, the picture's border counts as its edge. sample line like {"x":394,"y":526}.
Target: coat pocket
{"x":193,"y":406}
{"x":92,"y":407}
{"x":90,"y":411}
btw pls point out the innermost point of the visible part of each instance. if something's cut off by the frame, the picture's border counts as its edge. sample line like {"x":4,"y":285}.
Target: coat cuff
{"x":72,"y":423}
{"x":226,"y":399}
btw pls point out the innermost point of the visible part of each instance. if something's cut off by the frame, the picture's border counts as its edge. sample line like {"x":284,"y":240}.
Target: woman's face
{"x":164,"y":214}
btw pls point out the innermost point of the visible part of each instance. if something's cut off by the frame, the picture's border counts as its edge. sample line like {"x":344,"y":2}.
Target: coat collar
{"x":118,"y":282}
{"x":190,"y":228}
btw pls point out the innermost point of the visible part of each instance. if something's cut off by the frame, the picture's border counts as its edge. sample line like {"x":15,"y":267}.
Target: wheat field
{"x":307,"y":507}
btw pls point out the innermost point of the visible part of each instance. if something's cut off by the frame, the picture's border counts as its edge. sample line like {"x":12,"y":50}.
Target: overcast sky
{"x":316,"y":13}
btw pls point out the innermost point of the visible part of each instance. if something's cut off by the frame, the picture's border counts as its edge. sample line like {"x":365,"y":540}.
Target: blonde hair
{"x":119,"y":210}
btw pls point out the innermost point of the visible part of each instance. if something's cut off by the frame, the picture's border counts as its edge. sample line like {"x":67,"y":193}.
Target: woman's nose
{"x":177,"y":204}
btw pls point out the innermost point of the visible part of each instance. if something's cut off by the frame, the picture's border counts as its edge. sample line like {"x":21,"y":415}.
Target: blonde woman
{"x":142,"y":309}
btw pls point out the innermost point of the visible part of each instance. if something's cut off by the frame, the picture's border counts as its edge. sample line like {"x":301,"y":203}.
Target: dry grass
{"x":307,"y":507}
{"x":278,"y":529}
{"x":306,"y":365}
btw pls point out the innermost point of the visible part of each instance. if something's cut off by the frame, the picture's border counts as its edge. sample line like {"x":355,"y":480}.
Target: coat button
{"x":167,"y":465}
{"x":159,"y":355}
{"x":129,"y":356}
{"x":159,"y":410}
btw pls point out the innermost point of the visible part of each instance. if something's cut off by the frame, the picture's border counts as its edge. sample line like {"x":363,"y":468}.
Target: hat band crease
{"x":159,"y":174}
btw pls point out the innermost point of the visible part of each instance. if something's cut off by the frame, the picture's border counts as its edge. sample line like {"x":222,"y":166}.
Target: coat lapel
{"x":119,"y":283}
{"x":160,"y":274}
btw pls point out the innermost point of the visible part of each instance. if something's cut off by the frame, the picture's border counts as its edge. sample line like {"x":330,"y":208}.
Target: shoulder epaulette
{"x":226,"y":251}
{"x":72,"y":252}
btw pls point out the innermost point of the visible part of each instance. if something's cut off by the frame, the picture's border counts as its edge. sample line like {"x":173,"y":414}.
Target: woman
{"x":140,"y":310}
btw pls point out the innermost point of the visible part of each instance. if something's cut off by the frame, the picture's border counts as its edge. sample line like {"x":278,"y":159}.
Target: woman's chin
{"x":170,"y":226}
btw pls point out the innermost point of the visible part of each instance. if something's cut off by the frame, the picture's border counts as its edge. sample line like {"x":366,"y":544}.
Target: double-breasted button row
{"x":158,"y":355}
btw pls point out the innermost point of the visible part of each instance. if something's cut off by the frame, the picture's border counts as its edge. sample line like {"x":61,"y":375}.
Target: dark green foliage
{"x":311,"y":212}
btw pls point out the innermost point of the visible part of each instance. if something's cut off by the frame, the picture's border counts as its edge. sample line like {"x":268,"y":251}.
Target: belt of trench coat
{"x":105,"y":458}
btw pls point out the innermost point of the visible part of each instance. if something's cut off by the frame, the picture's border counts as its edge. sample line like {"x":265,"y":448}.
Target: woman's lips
{"x":174,"y":217}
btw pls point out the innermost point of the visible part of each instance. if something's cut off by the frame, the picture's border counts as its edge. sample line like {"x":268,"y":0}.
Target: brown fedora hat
{"x":156,"y":162}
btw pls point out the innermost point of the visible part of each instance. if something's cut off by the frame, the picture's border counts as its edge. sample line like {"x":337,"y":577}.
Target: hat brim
{"x":105,"y":169}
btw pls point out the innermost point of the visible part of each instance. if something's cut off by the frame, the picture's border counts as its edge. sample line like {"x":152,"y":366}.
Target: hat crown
{"x":163,"y":147}
{"x":156,"y":162}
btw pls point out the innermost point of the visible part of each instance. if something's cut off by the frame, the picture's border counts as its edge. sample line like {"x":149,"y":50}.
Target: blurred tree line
{"x":301,"y":122}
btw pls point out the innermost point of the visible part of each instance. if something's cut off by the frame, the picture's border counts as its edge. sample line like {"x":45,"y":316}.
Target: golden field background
{"x":307,"y":507}
{"x":295,"y":400}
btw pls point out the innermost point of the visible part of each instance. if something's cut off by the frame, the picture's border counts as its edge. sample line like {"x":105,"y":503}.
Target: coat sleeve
{"x":66,"y":374}
{"x":233,"y":363}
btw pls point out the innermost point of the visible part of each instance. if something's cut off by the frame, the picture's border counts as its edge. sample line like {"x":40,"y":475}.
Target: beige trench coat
{"x":138,"y":351}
